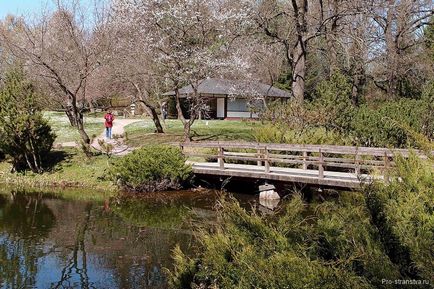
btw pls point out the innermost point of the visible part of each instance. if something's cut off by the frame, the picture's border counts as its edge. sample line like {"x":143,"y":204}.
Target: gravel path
{"x":119,"y":147}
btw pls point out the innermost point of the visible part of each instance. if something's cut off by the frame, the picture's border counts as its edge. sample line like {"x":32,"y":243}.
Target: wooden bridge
{"x":322,"y":165}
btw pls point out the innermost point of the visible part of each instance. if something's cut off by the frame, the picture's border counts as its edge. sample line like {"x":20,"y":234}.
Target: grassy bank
{"x":73,"y":194}
{"x":143,"y":132}
{"x":68,"y":168}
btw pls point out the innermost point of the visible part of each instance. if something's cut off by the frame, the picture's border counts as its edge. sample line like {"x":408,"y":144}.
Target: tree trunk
{"x":392,"y":55}
{"x":299,"y":71}
{"x":84,"y":136}
{"x":187,"y":130}
{"x":156,"y":120}
{"x":355,"y":92}
{"x":154,"y":115}
{"x":187,"y":125}
{"x":76,"y":120}
{"x":331,"y":39}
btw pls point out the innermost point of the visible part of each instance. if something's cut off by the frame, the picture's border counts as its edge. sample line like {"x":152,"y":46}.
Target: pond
{"x":50,"y":242}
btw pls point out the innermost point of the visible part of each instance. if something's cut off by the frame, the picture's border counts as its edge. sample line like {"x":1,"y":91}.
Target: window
{"x":238,"y":104}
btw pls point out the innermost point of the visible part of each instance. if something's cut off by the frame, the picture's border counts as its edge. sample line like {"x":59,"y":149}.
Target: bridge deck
{"x":334,"y":179}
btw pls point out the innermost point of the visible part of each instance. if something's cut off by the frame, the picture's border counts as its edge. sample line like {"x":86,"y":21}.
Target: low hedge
{"x":151,"y":168}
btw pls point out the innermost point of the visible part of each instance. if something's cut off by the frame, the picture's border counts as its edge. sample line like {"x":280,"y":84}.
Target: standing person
{"x":164,"y":112}
{"x":109,"y":118}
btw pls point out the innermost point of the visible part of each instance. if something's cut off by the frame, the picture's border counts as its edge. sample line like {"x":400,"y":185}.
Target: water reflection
{"x":53,"y":243}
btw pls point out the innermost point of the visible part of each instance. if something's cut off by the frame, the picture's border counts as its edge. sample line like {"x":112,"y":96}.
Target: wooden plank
{"x":310,"y":148}
{"x":300,"y":177}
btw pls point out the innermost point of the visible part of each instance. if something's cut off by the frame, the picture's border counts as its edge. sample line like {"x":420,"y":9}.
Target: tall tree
{"x":295,"y":24}
{"x":399,"y":24}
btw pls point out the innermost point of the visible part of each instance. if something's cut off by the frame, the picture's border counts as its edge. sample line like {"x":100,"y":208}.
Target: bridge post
{"x":386,"y":168}
{"x":321,"y":165}
{"x":266,"y":162}
{"x":221,"y":160}
{"x":357,"y":163}
{"x":304,"y":160}
{"x":259,"y":154}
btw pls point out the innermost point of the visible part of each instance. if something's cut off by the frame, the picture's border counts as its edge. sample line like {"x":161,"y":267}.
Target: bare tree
{"x":296,"y":24}
{"x":61,"y":50}
{"x":399,"y":27}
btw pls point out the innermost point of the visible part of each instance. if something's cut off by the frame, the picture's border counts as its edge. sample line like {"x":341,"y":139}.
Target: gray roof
{"x":218,"y":86}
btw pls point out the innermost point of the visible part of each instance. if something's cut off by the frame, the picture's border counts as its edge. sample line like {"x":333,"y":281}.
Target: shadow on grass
{"x":54,"y":158}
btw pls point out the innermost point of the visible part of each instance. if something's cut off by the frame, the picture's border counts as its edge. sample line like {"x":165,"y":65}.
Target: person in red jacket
{"x":109,"y":118}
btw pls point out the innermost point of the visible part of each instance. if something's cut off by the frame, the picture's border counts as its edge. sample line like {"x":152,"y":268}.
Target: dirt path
{"x":119,"y":147}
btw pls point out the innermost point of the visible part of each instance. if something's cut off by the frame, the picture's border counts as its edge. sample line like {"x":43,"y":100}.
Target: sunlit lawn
{"x":65,"y":168}
{"x":143,"y":132}
{"x":66,"y":133}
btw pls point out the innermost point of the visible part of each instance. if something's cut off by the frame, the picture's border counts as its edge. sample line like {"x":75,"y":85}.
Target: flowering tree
{"x":189,"y":40}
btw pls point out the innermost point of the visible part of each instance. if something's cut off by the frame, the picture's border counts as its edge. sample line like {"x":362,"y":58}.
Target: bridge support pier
{"x":268,"y":197}
{"x":267,"y":192}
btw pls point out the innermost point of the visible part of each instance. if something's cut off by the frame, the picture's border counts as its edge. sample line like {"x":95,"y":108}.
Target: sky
{"x":18,"y":7}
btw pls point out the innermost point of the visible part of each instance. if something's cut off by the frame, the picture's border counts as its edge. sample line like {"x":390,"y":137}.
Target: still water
{"x":49,"y":242}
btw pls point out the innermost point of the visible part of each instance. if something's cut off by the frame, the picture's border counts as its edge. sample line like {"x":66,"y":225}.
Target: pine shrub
{"x":25,"y":136}
{"x":151,"y":168}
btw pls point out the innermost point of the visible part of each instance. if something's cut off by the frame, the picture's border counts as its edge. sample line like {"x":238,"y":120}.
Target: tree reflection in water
{"x":24,"y":222}
{"x":53,"y":243}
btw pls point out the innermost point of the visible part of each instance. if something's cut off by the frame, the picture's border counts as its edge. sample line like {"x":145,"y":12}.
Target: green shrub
{"x":151,"y":168}
{"x":312,"y":135}
{"x":377,"y":127}
{"x":403,"y":212}
{"x":335,"y":248}
{"x":333,"y":103}
{"x":24,"y":135}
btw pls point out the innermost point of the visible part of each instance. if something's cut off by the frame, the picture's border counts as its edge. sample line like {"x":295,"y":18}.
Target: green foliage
{"x":333,"y":102}
{"x":24,"y":135}
{"x":332,"y":119}
{"x":284,"y":81}
{"x":151,"y":168}
{"x":314,"y":135}
{"x":337,"y":247}
{"x":377,"y":127}
{"x":403,"y":212}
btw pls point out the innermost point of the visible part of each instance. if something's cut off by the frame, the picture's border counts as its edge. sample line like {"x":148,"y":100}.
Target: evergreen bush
{"x":333,"y":103}
{"x":25,"y":136}
{"x":403,"y":212}
{"x":337,"y":247}
{"x":151,"y":168}
{"x":377,"y":127}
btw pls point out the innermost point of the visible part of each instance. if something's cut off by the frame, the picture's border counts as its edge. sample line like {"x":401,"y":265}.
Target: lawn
{"x":68,"y":168}
{"x":143,"y":132}
{"x":94,"y":126}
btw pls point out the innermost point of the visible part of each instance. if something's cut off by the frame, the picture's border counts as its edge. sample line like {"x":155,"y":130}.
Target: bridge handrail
{"x":311,"y":155}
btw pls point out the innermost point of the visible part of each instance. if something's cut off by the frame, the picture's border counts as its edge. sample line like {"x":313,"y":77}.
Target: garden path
{"x":118,"y":133}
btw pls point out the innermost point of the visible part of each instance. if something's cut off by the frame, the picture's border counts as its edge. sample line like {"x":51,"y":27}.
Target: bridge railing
{"x":307,"y":157}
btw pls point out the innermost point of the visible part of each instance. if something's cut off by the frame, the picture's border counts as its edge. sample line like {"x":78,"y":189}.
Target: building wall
{"x":241,"y":114}
{"x":239,"y":108}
